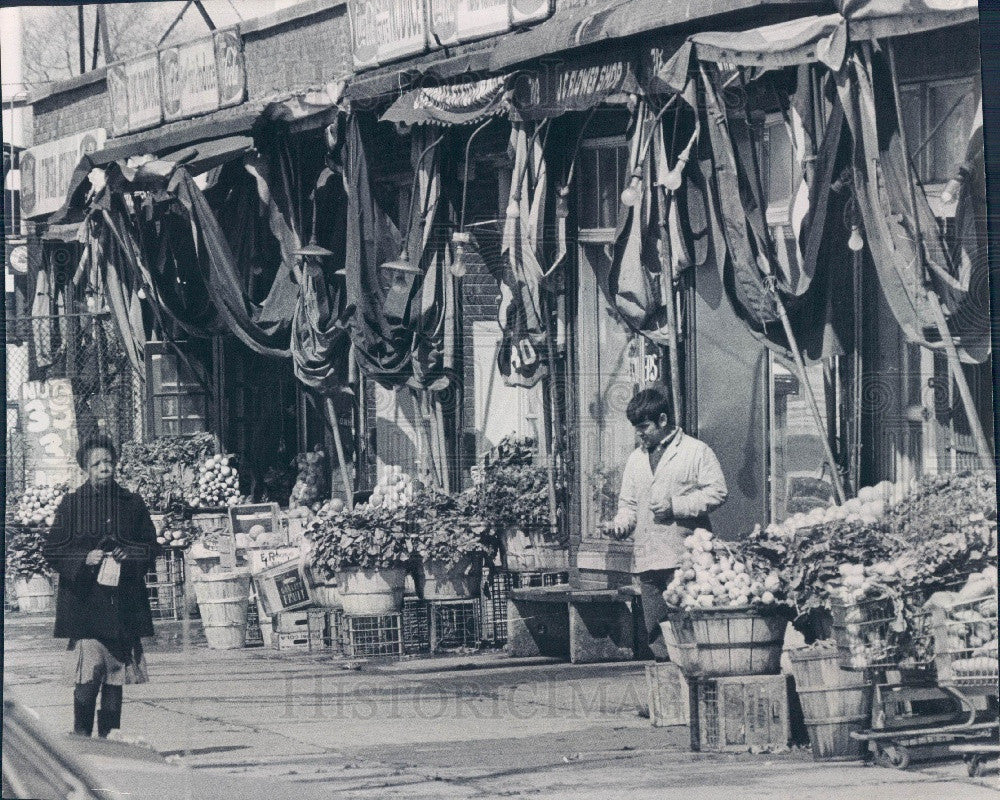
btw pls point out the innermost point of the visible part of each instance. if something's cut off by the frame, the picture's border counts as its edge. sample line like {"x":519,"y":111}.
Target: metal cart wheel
{"x":975,"y":765}
{"x":893,"y":755}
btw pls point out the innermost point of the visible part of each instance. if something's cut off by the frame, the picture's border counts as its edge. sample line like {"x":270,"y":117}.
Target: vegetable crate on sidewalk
{"x":416,"y":626}
{"x":165,"y":584}
{"x":454,"y":625}
{"x":379,"y":636}
{"x":493,"y":606}
{"x":255,"y":636}
{"x":740,"y":713}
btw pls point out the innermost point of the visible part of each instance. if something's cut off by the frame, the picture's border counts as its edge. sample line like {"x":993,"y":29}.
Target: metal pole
{"x":331,"y":410}
{"x":667,"y":295}
{"x":83,"y":46}
{"x":954,"y":362}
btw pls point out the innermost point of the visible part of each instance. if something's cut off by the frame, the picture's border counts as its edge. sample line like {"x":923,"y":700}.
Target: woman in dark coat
{"x":102,"y":544}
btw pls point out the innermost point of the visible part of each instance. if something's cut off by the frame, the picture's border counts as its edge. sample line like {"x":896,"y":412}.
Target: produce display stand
{"x":931,"y":704}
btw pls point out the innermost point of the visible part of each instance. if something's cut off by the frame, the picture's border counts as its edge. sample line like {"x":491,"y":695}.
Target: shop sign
{"x":190,"y":79}
{"x":387,"y":30}
{"x":46,"y":170}
{"x":231,"y":66}
{"x":525,"y":12}
{"x":49,"y":425}
{"x":142,"y":87}
{"x":556,"y":87}
{"x":454,"y":21}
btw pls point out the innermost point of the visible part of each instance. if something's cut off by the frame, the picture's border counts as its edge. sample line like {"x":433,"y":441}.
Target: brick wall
{"x":294,"y":54}
{"x":298,"y":54}
{"x":80,"y":108}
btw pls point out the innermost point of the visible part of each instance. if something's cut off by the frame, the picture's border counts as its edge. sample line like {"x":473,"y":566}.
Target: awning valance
{"x":813,"y":39}
{"x":453,"y":104}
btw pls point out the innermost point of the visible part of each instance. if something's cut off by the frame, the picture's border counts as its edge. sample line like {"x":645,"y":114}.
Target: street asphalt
{"x":255,"y":723}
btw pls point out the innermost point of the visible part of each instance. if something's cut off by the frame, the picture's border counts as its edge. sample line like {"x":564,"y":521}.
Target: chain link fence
{"x":84,"y":349}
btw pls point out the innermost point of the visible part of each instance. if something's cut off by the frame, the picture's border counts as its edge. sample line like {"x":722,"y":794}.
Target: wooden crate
{"x":739,"y":713}
{"x":669,"y":695}
{"x":291,"y":642}
{"x":376,"y":636}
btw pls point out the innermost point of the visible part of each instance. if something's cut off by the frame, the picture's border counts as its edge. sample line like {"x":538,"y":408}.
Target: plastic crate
{"x":493,"y":606}
{"x":742,"y":713}
{"x":337,"y":630}
{"x":532,"y":580}
{"x":888,"y":632}
{"x":378,"y":636}
{"x":454,"y":624}
{"x":416,"y":626}
{"x":965,"y":644}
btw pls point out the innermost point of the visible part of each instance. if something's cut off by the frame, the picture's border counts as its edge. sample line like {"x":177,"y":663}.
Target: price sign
{"x":48,"y":421}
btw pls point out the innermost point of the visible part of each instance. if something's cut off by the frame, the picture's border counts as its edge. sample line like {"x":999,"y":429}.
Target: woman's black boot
{"x":110,"y":715}
{"x":84,"y":703}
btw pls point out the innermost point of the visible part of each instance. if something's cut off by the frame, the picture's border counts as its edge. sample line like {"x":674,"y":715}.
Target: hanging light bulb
{"x":562,"y":204}
{"x":856,"y":242}
{"x":513,"y":209}
{"x":461,"y":240}
{"x":141,"y":293}
{"x":672,"y":180}
{"x":632,"y":193}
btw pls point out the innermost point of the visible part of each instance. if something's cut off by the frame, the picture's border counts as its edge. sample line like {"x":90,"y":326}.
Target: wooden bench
{"x":583,"y":626}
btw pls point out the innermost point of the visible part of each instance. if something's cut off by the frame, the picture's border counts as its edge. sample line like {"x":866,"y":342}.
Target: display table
{"x":584,"y":626}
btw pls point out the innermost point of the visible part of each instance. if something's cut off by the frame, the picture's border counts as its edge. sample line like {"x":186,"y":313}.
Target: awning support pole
{"x":667,"y":295}
{"x":954,"y":362}
{"x":331,"y":410}
{"x":800,"y":364}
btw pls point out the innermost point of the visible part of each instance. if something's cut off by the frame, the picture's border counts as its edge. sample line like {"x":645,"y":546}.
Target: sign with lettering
{"x":231,"y":67}
{"x":142,"y":86}
{"x":557,"y":87}
{"x":387,"y":30}
{"x":190,"y":79}
{"x":454,"y":21}
{"x":46,"y":170}
{"x":118,"y":96}
{"x":178,"y":81}
{"x":48,"y":422}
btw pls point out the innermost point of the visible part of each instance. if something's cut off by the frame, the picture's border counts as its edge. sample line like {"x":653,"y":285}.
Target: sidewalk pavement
{"x":255,"y":723}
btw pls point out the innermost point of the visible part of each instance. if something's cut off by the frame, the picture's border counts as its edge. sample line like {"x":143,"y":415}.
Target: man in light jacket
{"x":669,"y":485}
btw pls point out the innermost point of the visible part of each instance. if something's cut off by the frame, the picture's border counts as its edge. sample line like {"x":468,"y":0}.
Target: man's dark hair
{"x":647,"y":406}
{"x":96,"y":442}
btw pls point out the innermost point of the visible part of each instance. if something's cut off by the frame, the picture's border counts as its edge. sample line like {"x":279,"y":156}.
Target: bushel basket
{"x":737,"y":641}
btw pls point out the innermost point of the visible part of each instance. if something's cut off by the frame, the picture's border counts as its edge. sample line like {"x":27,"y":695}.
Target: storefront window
{"x":800,"y":479}
{"x":602,"y":165}
{"x":176,"y":398}
{"x":938,"y":117}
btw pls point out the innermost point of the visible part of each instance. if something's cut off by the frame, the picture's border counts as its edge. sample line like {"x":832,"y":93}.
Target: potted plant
{"x":451,"y":541}
{"x":367,"y":551}
{"x":513,"y":499}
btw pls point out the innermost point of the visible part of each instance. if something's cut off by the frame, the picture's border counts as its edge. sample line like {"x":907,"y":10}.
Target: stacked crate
{"x":304,"y":631}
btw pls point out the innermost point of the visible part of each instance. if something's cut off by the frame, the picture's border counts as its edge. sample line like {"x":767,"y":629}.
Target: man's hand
{"x":663,"y":511}
{"x":622,"y":524}
{"x":94,"y":557}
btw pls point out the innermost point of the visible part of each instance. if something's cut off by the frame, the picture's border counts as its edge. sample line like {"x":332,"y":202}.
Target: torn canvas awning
{"x":453,"y":104}
{"x":878,"y":19}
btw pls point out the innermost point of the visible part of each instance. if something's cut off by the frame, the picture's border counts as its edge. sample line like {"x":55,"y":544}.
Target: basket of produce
{"x":734,"y":609}
{"x":965,"y":633}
